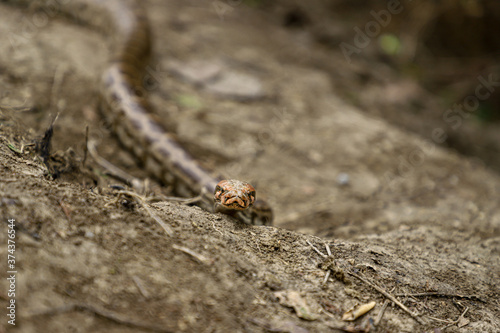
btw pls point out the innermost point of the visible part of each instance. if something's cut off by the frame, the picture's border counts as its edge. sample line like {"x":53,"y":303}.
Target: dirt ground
{"x":396,"y":209}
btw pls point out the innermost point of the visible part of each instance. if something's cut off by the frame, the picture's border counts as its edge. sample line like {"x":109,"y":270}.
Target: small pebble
{"x":237,"y":86}
{"x":343,"y":179}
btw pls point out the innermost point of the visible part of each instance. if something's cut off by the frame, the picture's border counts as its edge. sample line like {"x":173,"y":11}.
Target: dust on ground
{"x":394,"y":208}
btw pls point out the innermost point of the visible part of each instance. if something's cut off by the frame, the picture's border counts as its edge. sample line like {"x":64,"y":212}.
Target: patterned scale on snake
{"x":130,"y":112}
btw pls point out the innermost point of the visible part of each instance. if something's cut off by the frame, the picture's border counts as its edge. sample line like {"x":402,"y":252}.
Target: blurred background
{"x":417,"y":64}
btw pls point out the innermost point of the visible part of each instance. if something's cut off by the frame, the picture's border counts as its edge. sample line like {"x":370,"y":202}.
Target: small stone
{"x":343,"y":179}
{"x":196,"y":71}
{"x":237,"y":86}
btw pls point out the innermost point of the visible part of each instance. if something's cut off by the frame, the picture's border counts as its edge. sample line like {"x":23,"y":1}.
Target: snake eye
{"x":251,"y":195}
{"x":218,"y":192}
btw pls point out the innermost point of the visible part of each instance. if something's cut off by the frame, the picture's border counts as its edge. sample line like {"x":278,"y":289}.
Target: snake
{"x":131,"y":115}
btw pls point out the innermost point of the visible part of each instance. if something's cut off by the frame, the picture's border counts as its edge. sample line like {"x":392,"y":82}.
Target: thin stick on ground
{"x":436,"y":294}
{"x":315,"y":249}
{"x":379,"y":289}
{"x":144,"y":204}
{"x":389,"y":296}
{"x":439,"y":319}
{"x":112,"y":169}
{"x":328,"y":249}
{"x":59,"y":74}
{"x":327,"y":275}
{"x":381,"y":313}
{"x":16,"y":109}
{"x":140,"y":286}
{"x":199,"y":257}
{"x":115,"y":317}
{"x":184,"y":201}
{"x":136,"y":183}
{"x":86,"y":149}
{"x":456,"y":321}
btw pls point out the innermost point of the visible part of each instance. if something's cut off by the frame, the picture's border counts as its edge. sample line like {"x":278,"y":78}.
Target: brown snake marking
{"x":130,"y":112}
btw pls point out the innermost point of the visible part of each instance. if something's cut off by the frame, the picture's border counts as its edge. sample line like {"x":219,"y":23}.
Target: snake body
{"x":131,"y":116}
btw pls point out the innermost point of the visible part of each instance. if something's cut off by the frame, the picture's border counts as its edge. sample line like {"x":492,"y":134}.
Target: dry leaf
{"x":292,"y":299}
{"x":463,"y":322}
{"x":355,"y":313}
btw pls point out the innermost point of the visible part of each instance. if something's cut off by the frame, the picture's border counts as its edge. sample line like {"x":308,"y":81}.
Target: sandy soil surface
{"x":396,"y":209}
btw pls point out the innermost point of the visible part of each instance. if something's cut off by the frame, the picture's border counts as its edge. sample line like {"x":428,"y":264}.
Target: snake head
{"x":234,"y":194}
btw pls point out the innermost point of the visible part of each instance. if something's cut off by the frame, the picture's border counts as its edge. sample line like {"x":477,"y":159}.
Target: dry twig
{"x":112,"y":169}
{"x":86,"y":148}
{"x":199,"y":257}
{"x":327,"y":275}
{"x":315,"y":249}
{"x":436,"y":294}
{"x":379,"y":289}
{"x":456,"y":321}
{"x":328,"y":250}
{"x":389,"y":296}
{"x":59,"y":74}
{"x":140,"y":286}
{"x":381,"y":313}
{"x":144,"y":204}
